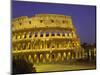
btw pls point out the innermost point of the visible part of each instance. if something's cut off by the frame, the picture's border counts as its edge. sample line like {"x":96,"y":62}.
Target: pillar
{"x":44,"y":60}
{"x":62,"y":57}
{"x":90,"y":55}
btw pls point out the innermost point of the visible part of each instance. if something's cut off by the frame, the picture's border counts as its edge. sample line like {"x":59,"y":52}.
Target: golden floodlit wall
{"x":45,"y":38}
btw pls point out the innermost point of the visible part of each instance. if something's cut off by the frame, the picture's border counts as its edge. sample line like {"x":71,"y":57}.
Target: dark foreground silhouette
{"x":20,"y":66}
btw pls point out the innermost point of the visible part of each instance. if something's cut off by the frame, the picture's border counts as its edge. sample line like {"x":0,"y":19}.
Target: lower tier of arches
{"x":50,"y":57}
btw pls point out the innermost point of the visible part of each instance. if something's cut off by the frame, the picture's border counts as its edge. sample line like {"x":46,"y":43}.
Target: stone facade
{"x":45,"y":38}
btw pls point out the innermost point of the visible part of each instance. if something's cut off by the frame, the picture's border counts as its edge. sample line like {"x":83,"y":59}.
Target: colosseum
{"x":45,"y":38}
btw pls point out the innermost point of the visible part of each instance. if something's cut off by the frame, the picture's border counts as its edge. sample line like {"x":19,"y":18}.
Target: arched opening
{"x":41,"y":21}
{"x":53,"y":34}
{"x":47,"y":34}
{"x":47,"y":56}
{"x":58,"y":56}
{"x":30,"y":59}
{"x":69,"y":56}
{"x":64,"y":55}
{"x":24,"y":46}
{"x":35,"y":57}
{"x":41,"y":34}
{"x":52,"y":21}
{"x":41,"y":58}
{"x":58,"y":33}
{"x":30,"y":34}
{"x":53,"y":56}
{"x":29,"y":22}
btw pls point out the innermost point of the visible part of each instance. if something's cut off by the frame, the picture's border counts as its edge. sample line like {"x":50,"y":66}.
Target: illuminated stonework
{"x":45,"y":38}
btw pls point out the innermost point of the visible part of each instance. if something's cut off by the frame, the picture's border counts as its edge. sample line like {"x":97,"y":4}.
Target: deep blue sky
{"x":84,"y":17}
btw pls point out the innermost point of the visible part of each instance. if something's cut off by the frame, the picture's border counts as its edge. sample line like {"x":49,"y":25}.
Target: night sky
{"x":84,"y":17}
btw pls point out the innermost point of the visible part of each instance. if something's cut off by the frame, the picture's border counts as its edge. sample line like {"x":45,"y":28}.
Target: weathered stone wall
{"x":45,"y":37}
{"x":42,"y":21}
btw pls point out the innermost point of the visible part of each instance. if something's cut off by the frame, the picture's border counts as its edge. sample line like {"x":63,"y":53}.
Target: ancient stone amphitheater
{"x":45,"y":38}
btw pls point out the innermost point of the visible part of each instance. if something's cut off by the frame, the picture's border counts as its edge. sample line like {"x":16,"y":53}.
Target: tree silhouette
{"x":20,"y":66}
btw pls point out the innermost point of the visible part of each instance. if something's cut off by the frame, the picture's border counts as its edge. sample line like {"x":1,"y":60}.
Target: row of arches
{"x":51,"y":57}
{"x":39,"y":44}
{"x":26,"y":35}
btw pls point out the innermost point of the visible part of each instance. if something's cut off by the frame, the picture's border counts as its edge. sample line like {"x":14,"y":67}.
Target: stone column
{"x":60,"y":35}
{"x":44,"y":58}
{"x":38,"y":34}
{"x":90,"y":55}
{"x":62,"y":57}
{"x":50,"y":34}
{"x":41,"y":45}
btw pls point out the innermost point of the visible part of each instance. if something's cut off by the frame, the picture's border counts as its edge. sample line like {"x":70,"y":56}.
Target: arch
{"x":53,"y":56}
{"x":18,"y":36}
{"x":41,"y":56}
{"x":19,"y":46}
{"x":53,"y":34}
{"x":64,"y":54}
{"x":35,"y":34}
{"x":47,"y":34}
{"x":58,"y":56}
{"x":29,"y":34}
{"x":36,"y":60}
{"x":30,"y":59}
{"x":41,"y":34}
{"x":41,"y":21}
{"x":68,"y":55}
{"x":47,"y":56}
{"x":35,"y":56}
{"x":52,"y":20}
{"x":58,"y":33}
{"x":64,"y":21}
{"x":29,"y":22}
{"x":63,"y":34}
{"x":29,"y":45}
{"x":24,"y":46}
